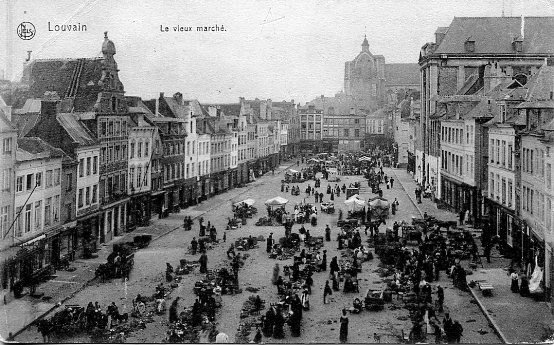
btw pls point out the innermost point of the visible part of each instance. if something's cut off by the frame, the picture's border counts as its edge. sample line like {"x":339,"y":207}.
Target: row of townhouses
{"x":480,"y":134}
{"x":81,"y":162}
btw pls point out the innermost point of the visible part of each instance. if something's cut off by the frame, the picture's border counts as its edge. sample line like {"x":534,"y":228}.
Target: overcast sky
{"x":272,"y":49}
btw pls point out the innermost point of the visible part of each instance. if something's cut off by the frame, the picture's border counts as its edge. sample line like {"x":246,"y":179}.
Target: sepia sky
{"x":272,"y":49}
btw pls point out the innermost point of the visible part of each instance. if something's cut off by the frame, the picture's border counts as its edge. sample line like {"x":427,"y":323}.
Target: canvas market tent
{"x":248,"y":202}
{"x":355,"y":204}
{"x":276,"y":202}
{"x":379,"y":203}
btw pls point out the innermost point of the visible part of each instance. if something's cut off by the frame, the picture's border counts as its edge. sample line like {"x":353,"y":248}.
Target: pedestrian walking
{"x":203,"y":262}
{"x":440,"y":298}
{"x":388,"y":184}
{"x":457,"y":331}
{"x":462,"y":216}
{"x":514,"y":287}
{"x":343,"y":327}
{"x":391,"y":182}
{"x":320,"y":197}
{"x":326,"y":292}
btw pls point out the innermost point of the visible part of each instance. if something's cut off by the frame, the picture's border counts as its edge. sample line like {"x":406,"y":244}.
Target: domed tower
{"x":113,"y":99}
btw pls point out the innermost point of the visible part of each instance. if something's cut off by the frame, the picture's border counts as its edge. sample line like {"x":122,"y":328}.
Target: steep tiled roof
{"x":494,"y":35}
{"x":25,"y":122}
{"x":402,"y":74}
{"x":541,"y":84}
{"x":79,"y":133}
{"x":37,"y":146}
{"x":32,"y":105}
{"x":57,"y":74}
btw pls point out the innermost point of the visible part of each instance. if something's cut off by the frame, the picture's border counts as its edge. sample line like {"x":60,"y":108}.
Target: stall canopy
{"x":379,"y":203}
{"x":248,"y":202}
{"x":313,"y":160}
{"x":355,"y":203}
{"x":277,"y":201}
{"x":364,"y":158}
{"x":292,"y":171}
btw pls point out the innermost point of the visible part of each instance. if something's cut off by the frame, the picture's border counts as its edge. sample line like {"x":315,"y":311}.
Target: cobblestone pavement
{"x":320,"y":324}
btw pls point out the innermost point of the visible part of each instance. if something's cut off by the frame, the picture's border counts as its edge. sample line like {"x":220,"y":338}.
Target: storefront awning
{"x":38,"y":238}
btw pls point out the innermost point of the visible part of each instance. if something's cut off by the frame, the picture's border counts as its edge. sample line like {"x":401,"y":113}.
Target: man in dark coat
{"x":203,"y":262}
{"x":269,"y":243}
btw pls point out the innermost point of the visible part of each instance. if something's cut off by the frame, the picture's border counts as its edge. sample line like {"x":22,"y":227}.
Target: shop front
{"x":157,"y":200}
{"x":27,"y":265}
{"x":139,"y":211}
{"x":190,"y":192}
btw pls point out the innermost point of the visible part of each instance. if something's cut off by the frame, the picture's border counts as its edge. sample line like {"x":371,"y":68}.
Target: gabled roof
{"x":5,"y":122}
{"x":402,"y":74}
{"x":57,"y":75}
{"x":541,"y":84}
{"x":25,"y":122}
{"x":30,"y":148}
{"x":494,"y":35}
{"x":75,"y":129}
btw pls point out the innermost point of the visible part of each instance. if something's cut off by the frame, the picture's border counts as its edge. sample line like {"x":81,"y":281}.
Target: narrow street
{"x":320,"y":323}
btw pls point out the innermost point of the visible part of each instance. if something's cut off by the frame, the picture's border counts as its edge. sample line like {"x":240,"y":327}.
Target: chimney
{"x":178,"y":97}
{"x":161,"y":95}
{"x":48,"y":109}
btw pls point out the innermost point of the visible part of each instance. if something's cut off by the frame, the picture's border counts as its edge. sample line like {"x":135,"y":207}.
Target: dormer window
{"x":469,"y":45}
{"x":503,"y":113}
{"x":517,"y":44}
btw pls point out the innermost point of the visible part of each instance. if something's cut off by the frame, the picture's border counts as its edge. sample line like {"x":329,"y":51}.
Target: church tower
{"x":364,"y":77}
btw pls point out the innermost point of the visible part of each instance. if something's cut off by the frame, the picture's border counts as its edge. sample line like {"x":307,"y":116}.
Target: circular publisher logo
{"x":26,"y":31}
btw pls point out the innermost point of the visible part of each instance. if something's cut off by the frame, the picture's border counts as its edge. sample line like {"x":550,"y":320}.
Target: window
{"x":57,"y":177}
{"x":103,"y":128}
{"x":19,"y":225}
{"x":87,"y":196}
{"x":6,"y":180}
{"x":346,"y":132}
{"x":110,"y":124}
{"x":56,"y":209}
{"x":132,"y":149}
{"x":28,"y":218}
{"x":139,"y":176}
{"x":491,"y":150}
{"x":132,"y":177}
{"x":110,"y":154}
{"x":510,"y":156}
{"x":38,"y":215}
{"x":139,"y":150}
{"x":503,"y":191}
{"x":103,"y":155}
{"x":95,"y":165}
{"x":146,"y":149}
{"x":29,"y":182}
{"x":4,"y":220}
{"x":69,"y":181}
{"x":491,"y":192}
{"x":80,"y":198}
{"x":94,"y":194}
{"x":81,"y":167}
{"x":510,"y":192}
{"x":548,"y":175}
{"x":19,"y":184}
{"x":88,"y":165}
{"x":503,"y":153}
{"x":497,"y":151}
{"x":7,"y":146}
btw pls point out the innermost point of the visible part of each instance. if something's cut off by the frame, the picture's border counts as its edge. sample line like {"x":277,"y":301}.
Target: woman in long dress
{"x":343,"y":327}
{"x":514,"y":287}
